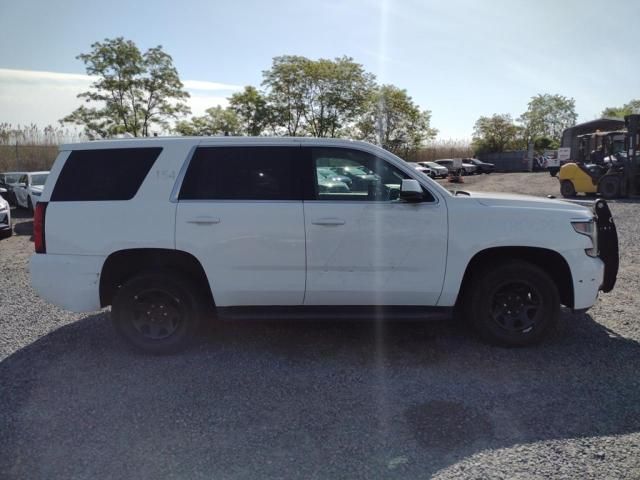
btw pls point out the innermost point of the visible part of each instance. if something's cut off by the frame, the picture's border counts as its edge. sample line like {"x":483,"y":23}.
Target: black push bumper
{"x":607,"y":244}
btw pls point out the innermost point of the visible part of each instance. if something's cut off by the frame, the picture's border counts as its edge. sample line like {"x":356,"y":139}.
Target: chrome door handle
{"x":328,"y":221}
{"x":204,"y":220}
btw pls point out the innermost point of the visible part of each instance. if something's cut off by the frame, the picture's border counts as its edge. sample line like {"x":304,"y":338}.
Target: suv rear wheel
{"x":157,"y":312}
{"x":514,"y":304}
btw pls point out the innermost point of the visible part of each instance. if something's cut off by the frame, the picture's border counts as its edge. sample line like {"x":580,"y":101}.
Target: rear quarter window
{"x":105,"y":174}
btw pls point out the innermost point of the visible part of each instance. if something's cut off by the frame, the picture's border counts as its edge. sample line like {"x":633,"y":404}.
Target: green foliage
{"x":620,"y":112}
{"x":394,"y":121}
{"x":316,"y":97}
{"x":495,"y":134}
{"x":217,"y":121}
{"x":133,"y":91}
{"x":548,"y":116}
{"x":252,"y":111}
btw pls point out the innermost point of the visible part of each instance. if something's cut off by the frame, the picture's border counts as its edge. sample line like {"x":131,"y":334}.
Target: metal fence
{"x":517,"y":161}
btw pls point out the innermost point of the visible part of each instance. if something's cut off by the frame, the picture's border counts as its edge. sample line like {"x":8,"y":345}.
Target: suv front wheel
{"x":157,"y":312}
{"x":513,"y":304}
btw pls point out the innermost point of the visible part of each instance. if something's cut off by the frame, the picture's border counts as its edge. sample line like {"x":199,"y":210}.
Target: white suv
{"x":169,"y":230}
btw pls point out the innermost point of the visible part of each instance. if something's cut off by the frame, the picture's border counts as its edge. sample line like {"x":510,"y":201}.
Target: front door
{"x":364,"y":245}
{"x":21,"y":191}
{"x":240,"y":213}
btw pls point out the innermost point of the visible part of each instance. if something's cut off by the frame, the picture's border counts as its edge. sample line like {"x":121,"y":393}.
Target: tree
{"x":620,"y":112}
{"x":285,"y":85}
{"x":133,"y":91}
{"x":548,"y":116}
{"x":252,"y":111}
{"x":495,"y":134}
{"x":395,"y":122}
{"x":316,"y":97}
{"x":217,"y":121}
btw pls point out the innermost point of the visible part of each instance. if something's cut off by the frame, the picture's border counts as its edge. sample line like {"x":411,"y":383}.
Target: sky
{"x":460,"y":59}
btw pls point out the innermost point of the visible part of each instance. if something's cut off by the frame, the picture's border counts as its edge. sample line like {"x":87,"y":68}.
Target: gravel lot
{"x":322,"y":400}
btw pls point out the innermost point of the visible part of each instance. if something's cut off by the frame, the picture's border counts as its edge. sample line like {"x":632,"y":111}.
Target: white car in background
{"x":436,"y":171}
{"x":29,"y":189}
{"x":5,"y":217}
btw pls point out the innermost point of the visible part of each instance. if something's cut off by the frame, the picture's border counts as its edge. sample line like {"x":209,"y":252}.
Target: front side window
{"x":243,"y":173}
{"x":39,"y":180}
{"x":353,"y":175}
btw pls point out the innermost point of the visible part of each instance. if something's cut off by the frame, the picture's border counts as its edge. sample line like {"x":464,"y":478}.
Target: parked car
{"x":453,"y":165}
{"x":9,"y":181}
{"x":427,"y":171}
{"x":483,"y":167}
{"x":327,"y":182}
{"x":334,"y":177}
{"x":438,"y":171}
{"x":6,"y":229}
{"x":244,"y":231}
{"x":468,"y":168}
{"x":29,"y":189}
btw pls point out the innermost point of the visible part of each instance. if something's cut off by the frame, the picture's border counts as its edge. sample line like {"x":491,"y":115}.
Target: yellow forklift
{"x":607,"y":163}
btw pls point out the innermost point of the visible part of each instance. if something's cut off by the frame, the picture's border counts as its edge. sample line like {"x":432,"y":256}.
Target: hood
{"x":514,"y":200}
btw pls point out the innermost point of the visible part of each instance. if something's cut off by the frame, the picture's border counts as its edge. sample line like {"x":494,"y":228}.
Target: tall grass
{"x":438,"y":149}
{"x":30,"y":148}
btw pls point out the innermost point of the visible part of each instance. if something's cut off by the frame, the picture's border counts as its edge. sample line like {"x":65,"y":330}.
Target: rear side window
{"x":105,"y":174}
{"x":243,"y":173}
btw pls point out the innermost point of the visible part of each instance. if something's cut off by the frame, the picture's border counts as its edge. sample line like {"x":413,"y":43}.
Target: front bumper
{"x":607,"y":244}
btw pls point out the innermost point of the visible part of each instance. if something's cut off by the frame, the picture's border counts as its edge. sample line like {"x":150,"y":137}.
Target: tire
{"x":6,"y":233}
{"x":567,"y":189}
{"x":140,"y":305}
{"x":29,"y":204}
{"x":515,"y":304}
{"x":609,"y":186}
{"x":553,"y":171}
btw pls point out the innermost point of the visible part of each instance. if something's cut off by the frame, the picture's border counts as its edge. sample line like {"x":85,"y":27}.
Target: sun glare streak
{"x":378,"y":257}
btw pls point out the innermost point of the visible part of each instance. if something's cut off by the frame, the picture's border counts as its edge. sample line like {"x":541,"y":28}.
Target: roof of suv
{"x":157,"y":141}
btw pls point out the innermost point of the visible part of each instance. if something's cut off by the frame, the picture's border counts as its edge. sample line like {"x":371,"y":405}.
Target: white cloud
{"x":43,"y":98}
{"x":200,"y":85}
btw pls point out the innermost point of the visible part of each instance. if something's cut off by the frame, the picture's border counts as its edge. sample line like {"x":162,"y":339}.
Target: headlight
{"x":588,"y":228}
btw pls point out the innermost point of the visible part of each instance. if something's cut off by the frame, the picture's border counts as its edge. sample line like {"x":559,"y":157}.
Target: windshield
{"x":11,"y":178}
{"x":39,"y":180}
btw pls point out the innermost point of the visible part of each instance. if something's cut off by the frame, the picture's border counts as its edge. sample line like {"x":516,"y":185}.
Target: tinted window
{"x":106,"y":174}
{"x":243,"y":173}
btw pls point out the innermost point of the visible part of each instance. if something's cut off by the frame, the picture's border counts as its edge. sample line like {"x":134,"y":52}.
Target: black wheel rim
{"x":156,"y":314}
{"x":515,"y":307}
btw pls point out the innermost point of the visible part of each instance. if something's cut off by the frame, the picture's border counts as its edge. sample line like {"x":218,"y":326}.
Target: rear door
{"x":240,"y":213}
{"x":367,"y":247}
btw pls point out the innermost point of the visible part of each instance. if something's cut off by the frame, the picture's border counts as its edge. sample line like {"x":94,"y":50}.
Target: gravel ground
{"x":322,"y":400}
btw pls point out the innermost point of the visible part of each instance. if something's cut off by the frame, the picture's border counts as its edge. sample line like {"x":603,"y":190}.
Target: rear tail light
{"x":38,"y":227}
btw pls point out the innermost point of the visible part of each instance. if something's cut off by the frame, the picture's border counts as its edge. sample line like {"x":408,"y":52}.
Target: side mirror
{"x":411,"y":191}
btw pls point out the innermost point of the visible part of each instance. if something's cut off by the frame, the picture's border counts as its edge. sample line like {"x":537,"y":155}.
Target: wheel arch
{"x":122,"y":265}
{"x":552,"y":262}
